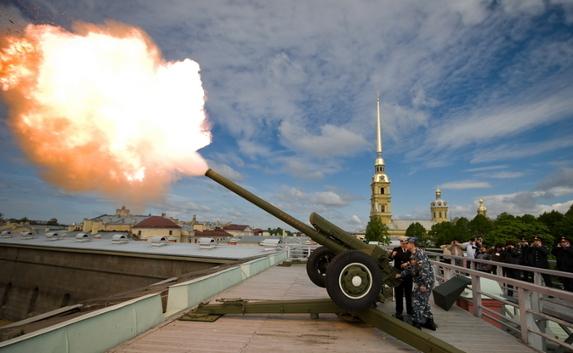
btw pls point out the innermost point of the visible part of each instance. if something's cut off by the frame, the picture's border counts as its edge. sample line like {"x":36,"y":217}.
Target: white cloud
{"x":486,"y":168}
{"x":505,"y":175}
{"x":516,"y":151}
{"x":332,"y":140}
{"x":465,"y":184}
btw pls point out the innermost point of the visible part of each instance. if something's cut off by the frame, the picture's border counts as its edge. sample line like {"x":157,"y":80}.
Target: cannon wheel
{"x":353,"y":280}
{"x":317,"y":264}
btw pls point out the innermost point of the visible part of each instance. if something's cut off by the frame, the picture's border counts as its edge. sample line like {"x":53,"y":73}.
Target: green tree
{"x":480,"y":226}
{"x":417,"y":230}
{"x":462,"y":229}
{"x":443,"y":233}
{"x":377,"y":231}
{"x":515,"y":228}
{"x":552,"y":221}
{"x":52,"y":222}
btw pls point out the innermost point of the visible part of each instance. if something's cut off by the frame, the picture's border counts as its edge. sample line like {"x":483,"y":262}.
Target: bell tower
{"x":439,"y":208}
{"x":381,"y":200}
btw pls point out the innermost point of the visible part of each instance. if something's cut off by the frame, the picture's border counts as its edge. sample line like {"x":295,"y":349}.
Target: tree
{"x":462,"y":229}
{"x":480,"y":226}
{"x":552,"y":220}
{"x":52,"y":222}
{"x":417,"y":230}
{"x":514,"y":228}
{"x":443,"y":233}
{"x":377,"y":231}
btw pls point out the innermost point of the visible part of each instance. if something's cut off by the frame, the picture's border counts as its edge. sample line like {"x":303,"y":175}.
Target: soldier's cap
{"x":564,"y":238}
{"x":536,"y":238}
{"x":413,"y":240}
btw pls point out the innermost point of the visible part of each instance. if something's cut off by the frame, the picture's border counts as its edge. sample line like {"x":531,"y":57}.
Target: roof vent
{"x":159,"y":241}
{"x":207,"y":243}
{"x":27,"y":235}
{"x":270,"y":243}
{"x":119,"y":239}
{"x":53,"y":236}
{"x":82,"y":237}
{"x":6,"y":234}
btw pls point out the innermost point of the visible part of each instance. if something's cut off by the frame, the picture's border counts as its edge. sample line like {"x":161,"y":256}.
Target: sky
{"x":477,"y":99}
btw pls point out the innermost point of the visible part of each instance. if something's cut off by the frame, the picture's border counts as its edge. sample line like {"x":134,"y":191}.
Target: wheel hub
{"x":355,"y":280}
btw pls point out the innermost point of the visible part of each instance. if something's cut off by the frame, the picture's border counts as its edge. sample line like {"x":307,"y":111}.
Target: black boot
{"x":430,"y":324}
{"x":417,"y":325}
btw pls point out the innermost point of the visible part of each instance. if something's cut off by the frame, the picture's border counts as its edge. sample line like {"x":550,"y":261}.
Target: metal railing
{"x":527,"y":309}
{"x":299,"y":251}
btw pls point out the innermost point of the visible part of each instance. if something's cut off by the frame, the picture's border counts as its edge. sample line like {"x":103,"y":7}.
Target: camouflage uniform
{"x":423,"y":275}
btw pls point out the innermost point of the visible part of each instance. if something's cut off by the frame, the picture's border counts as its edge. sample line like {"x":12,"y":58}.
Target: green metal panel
{"x":94,"y":332}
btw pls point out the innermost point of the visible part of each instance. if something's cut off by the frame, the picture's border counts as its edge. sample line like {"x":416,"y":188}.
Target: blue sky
{"x":477,"y":98}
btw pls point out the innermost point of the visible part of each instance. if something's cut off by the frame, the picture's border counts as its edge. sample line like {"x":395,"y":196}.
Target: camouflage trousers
{"x":421,"y":305}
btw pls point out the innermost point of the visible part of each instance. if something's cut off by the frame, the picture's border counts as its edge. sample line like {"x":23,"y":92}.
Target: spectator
{"x":446,"y":252}
{"x":470,"y":251}
{"x":537,"y":257}
{"x":564,"y":254}
{"x":484,"y":254}
{"x":523,"y":246}
{"x":511,"y":255}
{"x":456,"y":250}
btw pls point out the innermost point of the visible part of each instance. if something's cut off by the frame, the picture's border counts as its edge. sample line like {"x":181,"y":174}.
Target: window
{"x":434,"y":215}
{"x":440,"y":213}
{"x":139,"y":233}
{"x":170,"y":232}
{"x":382,"y":191}
{"x":383,"y":208}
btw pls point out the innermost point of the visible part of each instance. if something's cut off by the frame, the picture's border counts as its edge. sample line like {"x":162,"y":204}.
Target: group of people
{"x":417,"y":280}
{"x":524,"y":253}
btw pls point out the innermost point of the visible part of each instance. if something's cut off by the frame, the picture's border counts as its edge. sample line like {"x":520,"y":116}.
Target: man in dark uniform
{"x":537,"y":257}
{"x":564,"y":255}
{"x":401,"y":257}
{"x":422,"y":274}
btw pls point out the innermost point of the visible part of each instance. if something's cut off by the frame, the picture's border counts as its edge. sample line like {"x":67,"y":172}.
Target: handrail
{"x":530,"y":301}
{"x":558,"y":293}
{"x":505,"y":264}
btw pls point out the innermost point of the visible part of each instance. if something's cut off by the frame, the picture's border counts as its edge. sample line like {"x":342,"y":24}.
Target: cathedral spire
{"x":378,"y":129}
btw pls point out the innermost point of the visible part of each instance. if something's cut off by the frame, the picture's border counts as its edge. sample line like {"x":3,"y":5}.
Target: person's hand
{"x":398,"y":275}
{"x":423,"y":289}
{"x":394,"y":253}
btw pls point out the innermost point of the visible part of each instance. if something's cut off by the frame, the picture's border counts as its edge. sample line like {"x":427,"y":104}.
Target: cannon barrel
{"x":323,"y":239}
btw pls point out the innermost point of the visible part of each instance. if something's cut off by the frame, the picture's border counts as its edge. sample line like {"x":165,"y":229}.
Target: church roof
{"x":403,"y":224}
{"x":156,"y":222}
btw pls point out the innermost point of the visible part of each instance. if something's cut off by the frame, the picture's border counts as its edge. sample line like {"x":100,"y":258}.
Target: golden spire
{"x":378,"y":129}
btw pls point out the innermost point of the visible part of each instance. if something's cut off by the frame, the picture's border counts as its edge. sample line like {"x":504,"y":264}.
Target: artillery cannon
{"x":352,"y":272}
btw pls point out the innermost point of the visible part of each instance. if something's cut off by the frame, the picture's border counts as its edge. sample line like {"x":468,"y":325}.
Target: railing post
{"x":476,"y":295}
{"x":526,"y":319}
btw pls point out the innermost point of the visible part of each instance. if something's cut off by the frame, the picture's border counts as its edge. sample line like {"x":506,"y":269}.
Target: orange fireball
{"x":99,"y":109}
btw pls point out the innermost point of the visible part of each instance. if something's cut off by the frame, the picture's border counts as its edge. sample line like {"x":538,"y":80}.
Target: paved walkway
{"x":298,"y":333}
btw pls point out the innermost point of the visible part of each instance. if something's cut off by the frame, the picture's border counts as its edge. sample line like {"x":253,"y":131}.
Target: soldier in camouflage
{"x":423,"y":276}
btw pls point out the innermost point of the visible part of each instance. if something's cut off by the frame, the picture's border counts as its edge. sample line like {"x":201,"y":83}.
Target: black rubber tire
{"x":317,"y":263}
{"x":353,"y":281}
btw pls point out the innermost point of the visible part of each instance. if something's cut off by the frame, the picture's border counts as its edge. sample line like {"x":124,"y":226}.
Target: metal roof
{"x":104,"y":244}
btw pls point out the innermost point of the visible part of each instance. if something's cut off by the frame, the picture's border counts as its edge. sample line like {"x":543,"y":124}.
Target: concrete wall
{"x":33,"y":281}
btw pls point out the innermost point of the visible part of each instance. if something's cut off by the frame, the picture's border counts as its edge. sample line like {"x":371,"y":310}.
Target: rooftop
{"x":156,"y":222}
{"x":134,"y":247}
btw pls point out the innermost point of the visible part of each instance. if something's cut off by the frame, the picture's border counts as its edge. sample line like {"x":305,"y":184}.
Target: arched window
{"x":434,"y":215}
{"x":382,"y":191}
{"x":440,"y":213}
